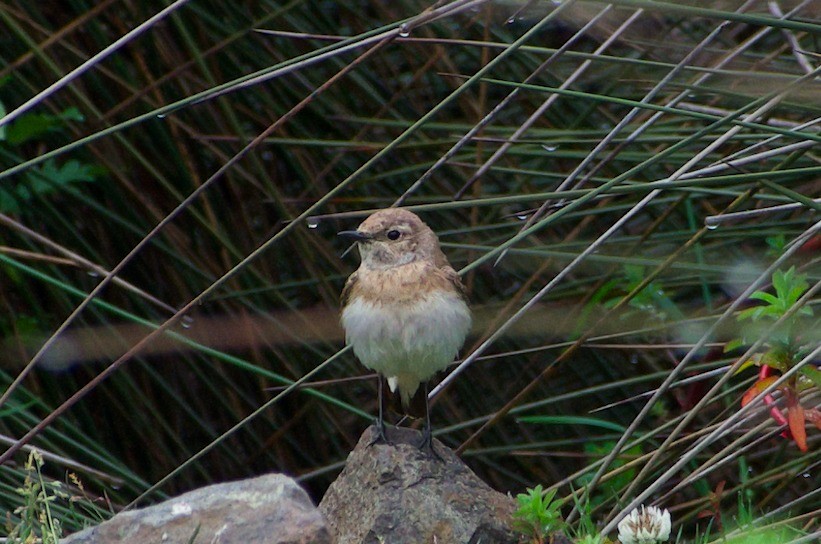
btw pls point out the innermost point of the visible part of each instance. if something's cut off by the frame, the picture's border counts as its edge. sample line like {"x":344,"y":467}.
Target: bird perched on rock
{"x":404,"y":310}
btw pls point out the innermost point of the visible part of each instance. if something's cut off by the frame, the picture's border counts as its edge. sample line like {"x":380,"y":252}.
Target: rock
{"x":270,"y":509}
{"x":395,"y":493}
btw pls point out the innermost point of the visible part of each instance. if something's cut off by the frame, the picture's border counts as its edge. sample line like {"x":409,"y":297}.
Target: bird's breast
{"x":398,"y":333}
{"x":406,"y":284}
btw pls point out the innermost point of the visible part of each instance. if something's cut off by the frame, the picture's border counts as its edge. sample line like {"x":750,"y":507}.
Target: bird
{"x":404,"y":310}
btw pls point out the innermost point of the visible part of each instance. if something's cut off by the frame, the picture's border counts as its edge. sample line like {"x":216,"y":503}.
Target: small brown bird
{"x":405,"y":309}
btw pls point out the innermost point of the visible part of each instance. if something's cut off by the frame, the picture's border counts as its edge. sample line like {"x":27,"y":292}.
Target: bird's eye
{"x":394,"y":234}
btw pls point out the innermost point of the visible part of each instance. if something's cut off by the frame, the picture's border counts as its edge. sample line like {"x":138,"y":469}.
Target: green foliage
{"x":592,"y":539}
{"x":34,"y":126}
{"x":44,"y":509}
{"x":538,"y":514}
{"x":585,"y":530}
{"x":764,"y":536}
{"x":776,"y":244}
{"x":651,"y":299}
{"x":789,"y":287}
{"x":812,"y":374}
{"x":784,"y":344}
{"x":747,"y":533}
{"x":50,"y":177}
{"x":34,"y":519}
{"x":573,"y":420}
{"x":609,"y":488}
{"x":43,"y":181}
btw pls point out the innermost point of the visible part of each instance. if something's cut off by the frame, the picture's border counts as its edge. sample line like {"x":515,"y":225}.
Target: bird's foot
{"x":426,"y":445}
{"x":380,"y":437}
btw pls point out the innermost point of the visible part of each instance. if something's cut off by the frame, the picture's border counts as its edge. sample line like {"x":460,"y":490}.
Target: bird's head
{"x":394,"y":237}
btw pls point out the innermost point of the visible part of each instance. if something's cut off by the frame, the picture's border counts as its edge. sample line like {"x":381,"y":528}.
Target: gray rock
{"x":270,"y":509}
{"x":396,"y":494}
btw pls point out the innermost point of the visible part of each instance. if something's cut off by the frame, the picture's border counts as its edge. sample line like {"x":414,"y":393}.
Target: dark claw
{"x":380,"y":437}
{"x":426,"y":445}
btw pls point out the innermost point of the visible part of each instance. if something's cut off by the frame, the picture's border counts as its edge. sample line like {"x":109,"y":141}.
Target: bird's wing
{"x":348,"y":289}
{"x":453,"y":278}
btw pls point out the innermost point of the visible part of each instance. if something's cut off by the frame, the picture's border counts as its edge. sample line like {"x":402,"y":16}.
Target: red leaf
{"x":813,"y":244}
{"x":757,"y":388}
{"x":795,"y":416}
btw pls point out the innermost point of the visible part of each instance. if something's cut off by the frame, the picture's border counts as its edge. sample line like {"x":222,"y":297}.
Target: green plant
{"x":538,"y":514}
{"x":611,"y":487}
{"x":767,"y":535}
{"x":652,"y":300}
{"x":776,"y":244}
{"x":593,"y":539}
{"x":585,"y":530}
{"x":745,"y":531}
{"x":789,"y":286}
{"x":48,"y":178}
{"x":783,"y":351}
{"x":34,"y":518}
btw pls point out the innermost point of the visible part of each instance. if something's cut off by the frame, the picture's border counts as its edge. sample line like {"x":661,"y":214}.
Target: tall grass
{"x":613,"y":180}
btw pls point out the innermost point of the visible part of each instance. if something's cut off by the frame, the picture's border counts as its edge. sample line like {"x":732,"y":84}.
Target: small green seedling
{"x":538,"y":514}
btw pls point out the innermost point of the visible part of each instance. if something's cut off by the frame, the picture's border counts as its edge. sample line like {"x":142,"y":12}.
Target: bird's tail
{"x":412,"y":405}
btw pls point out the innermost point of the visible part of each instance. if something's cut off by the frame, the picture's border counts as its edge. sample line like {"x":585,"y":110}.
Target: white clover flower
{"x":649,"y":526}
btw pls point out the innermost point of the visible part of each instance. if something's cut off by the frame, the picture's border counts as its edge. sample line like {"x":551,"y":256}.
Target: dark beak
{"x":354,"y":235}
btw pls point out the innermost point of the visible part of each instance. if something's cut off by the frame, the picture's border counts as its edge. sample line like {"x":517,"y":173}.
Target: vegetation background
{"x":580,"y":161}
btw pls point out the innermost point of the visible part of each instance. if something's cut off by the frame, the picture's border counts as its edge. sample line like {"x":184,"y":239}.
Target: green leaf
{"x":44,"y":180}
{"x":812,"y":373}
{"x":764,"y":296}
{"x":796,"y":292}
{"x":780,"y":277}
{"x":73,"y":170}
{"x":574,"y":420}
{"x":789,"y":286}
{"x":752,"y":313}
{"x":616,"y":483}
{"x":29,"y":127}
{"x":777,"y":358}
{"x":754,"y":360}
{"x":72,"y":114}
{"x":35,"y":125}
{"x":776,"y":243}
{"x":733,"y":344}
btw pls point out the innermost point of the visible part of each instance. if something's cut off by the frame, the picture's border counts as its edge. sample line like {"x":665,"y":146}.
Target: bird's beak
{"x":354,"y":235}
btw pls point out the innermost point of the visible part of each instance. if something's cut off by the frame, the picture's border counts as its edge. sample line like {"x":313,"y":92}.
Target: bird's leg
{"x":427,"y":433}
{"x":380,"y":421}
